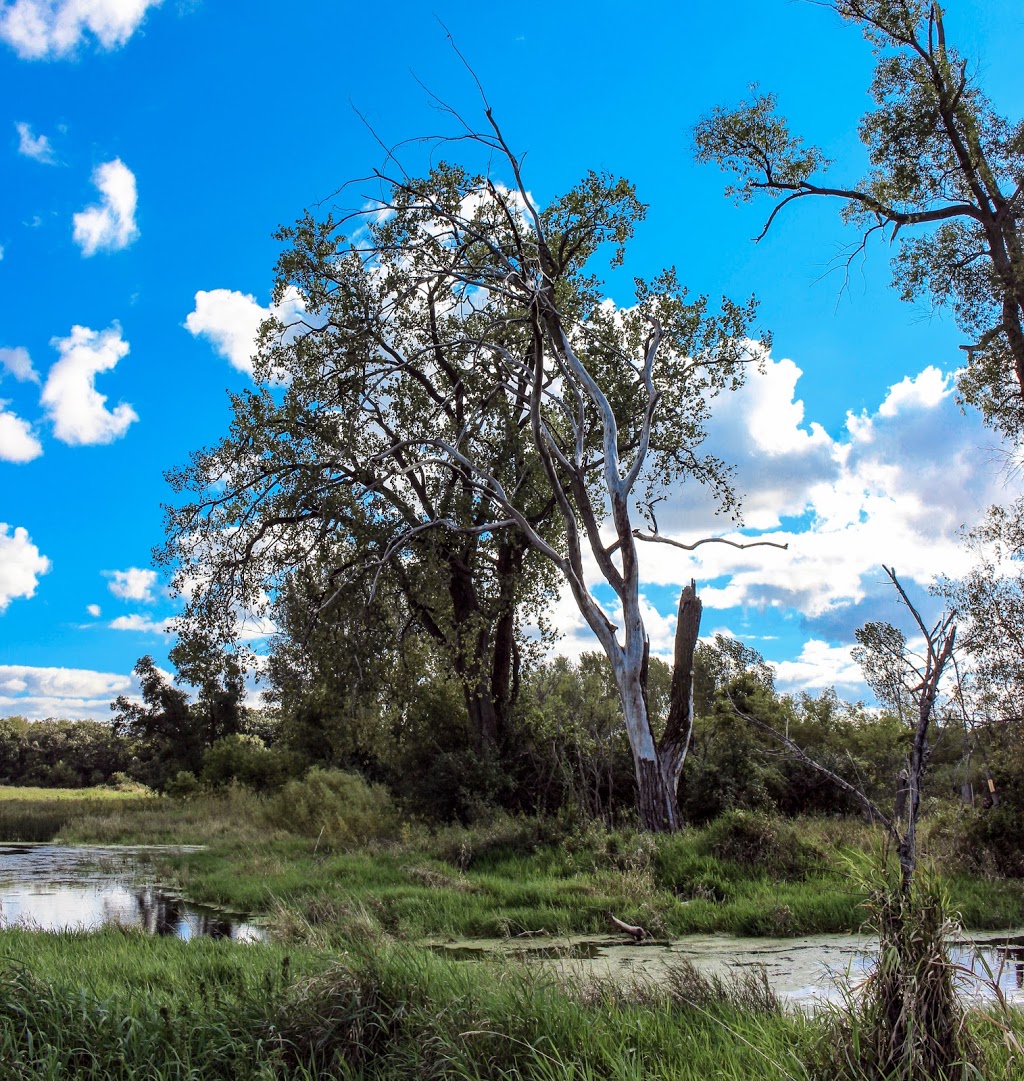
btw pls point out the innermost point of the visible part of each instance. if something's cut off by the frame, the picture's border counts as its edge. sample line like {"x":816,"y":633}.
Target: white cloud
{"x":45,"y":29}
{"x":820,"y":666}
{"x":230,"y":321}
{"x":924,"y":391}
{"x":881,"y":493}
{"x":894,"y":487}
{"x":133,"y":584}
{"x":73,"y":693}
{"x":77,"y":409}
{"x":109,"y":226}
{"x":32,"y":146}
{"x":61,"y":682}
{"x":142,"y":624}
{"x":21,"y":564}
{"x":94,"y":610}
{"x":17,"y":363}
{"x":17,"y":443}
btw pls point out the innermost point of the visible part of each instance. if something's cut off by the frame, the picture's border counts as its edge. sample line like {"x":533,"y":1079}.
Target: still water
{"x":49,"y":887}
{"x":802,"y":971}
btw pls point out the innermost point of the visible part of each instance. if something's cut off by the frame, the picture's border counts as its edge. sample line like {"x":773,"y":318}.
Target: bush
{"x":989,"y":840}
{"x":335,"y":806}
{"x":758,"y":842}
{"x":246,"y":760}
{"x":182,"y":785}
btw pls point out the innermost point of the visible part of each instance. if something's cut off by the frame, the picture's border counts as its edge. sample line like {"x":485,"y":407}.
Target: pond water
{"x":801,"y":971}
{"x":52,"y":887}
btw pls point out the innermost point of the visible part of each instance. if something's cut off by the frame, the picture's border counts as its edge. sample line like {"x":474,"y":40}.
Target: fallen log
{"x":638,"y":934}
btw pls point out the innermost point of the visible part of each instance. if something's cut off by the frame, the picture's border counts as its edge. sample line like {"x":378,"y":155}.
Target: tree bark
{"x":679,"y":726}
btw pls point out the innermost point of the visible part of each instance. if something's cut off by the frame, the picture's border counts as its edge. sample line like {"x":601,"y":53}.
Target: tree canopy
{"x":460,"y":394}
{"x":946,"y":177}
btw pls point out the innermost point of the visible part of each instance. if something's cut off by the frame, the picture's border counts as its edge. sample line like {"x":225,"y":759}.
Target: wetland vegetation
{"x":347,"y":986}
{"x":465,"y":425}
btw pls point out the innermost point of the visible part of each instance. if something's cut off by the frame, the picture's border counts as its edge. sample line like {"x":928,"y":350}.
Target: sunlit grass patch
{"x":48,"y":795}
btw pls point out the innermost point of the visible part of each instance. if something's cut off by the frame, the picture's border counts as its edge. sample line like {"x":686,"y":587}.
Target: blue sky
{"x":150,"y":149}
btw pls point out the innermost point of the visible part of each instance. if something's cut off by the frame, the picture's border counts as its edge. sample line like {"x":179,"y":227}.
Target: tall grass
{"x":907,"y":1021}
{"x":163,"y":1010}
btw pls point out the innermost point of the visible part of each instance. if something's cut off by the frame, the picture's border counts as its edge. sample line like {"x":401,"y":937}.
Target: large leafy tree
{"x":460,"y":395}
{"x":946,"y":175}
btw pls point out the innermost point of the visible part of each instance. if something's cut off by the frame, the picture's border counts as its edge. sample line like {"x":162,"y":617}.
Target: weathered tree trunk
{"x":679,"y":726}
{"x":655,"y":801}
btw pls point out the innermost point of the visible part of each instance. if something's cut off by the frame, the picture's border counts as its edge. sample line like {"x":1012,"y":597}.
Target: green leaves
{"x":946,"y":173}
{"x":754,"y":142}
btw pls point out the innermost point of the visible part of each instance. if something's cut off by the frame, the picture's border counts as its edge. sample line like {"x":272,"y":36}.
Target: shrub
{"x":761,"y":843}
{"x":990,"y":840}
{"x":246,"y":760}
{"x":182,"y":785}
{"x":336,"y":806}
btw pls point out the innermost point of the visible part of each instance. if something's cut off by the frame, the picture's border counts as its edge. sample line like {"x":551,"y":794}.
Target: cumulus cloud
{"x":47,"y":29}
{"x":33,"y":146}
{"x":78,"y":411}
{"x":110,"y":224}
{"x":73,"y":693}
{"x":893,"y":486}
{"x":819,"y":666}
{"x":230,"y":321}
{"x":17,"y":363}
{"x":94,"y":610}
{"x":17,"y":443}
{"x":133,"y":584}
{"x":21,"y":565}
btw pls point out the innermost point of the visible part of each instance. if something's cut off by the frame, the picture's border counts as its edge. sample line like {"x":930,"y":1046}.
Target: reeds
{"x":907,"y":1021}
{"x":121,"y":1006}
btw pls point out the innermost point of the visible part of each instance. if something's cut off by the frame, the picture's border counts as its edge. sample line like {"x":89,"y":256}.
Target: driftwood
{"x":638,"y":934}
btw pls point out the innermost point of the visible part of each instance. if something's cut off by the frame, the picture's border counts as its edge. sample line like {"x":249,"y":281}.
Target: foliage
{"x":989,"y":605}
{"x":338,"y":807}
{"x":944,"y":175}
{"x":757,"y":842}
{"x":908,"y":1021}
{"x":573,"y":754}
{"x":58,"y":753}
{"x":169,"y":733}
{"x":454,"y":411}
{"x":183,"y":785}
{"x":247,"y":760}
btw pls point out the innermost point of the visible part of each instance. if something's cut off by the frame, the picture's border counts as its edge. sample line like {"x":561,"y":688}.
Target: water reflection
{"x":53,"y":887}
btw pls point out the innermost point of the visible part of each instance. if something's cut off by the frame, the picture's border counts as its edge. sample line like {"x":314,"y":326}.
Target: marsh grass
{"x":908,"y":1020}
{"x":744,"y":874}
{"x":117,"y":1005}
{"x":340,"y":994}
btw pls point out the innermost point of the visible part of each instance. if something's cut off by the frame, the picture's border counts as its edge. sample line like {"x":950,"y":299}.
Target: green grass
{"x":116,"y":1005}
{"x":59,"y":795}
{"x":674,"y":888}
{"x":742,"y":875}
{"x":345,"y":991}
{"x":163,"y":1009}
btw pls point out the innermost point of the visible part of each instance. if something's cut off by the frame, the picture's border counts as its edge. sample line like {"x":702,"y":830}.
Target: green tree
{"x":171,"y":733}
{"x":988,"y":603}
{"x":946,"y":175}
{"x":458,"y":378}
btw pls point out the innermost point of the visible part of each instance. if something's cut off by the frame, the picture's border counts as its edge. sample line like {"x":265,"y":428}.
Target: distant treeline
{"x":61,"y":754}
